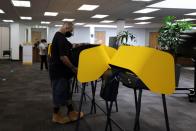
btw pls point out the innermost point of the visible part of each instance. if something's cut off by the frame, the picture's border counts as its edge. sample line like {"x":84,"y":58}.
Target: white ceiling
{"x":116,"y":9}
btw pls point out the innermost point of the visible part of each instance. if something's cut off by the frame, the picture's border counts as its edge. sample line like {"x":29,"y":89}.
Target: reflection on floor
{"x":25,"y":104}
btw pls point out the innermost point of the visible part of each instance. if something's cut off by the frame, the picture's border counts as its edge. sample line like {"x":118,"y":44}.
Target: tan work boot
{"x":58,"y":118}
{"x":73,"y":115}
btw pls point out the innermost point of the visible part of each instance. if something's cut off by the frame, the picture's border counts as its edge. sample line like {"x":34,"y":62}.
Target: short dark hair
{"x":43,"y":40}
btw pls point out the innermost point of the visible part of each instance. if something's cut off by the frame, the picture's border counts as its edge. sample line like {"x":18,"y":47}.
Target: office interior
{"x":26,"y":93}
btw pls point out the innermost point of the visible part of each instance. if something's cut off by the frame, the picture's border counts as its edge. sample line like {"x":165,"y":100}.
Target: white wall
{"x":22,"y":30}
{"x":4,"y":40}
{"x":15,"y":40}
{"x":140,"y":36}
{"x":81,"y":35}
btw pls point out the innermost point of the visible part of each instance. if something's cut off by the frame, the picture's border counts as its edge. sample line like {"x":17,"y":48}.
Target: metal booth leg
{"x":116,"y":103}
{"x":136,"y":101}
{"x":165,"y":112}
{"x":138,"y":108}
{"x":93,"y":105}
{"x":109,"y":109}
{"x":80,"y":106}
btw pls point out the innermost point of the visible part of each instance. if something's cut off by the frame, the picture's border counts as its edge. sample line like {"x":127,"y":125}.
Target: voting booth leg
{"x":93,"y":105}
{"x":76,"y":87}
{"x":165,"y":112}
{"x":80,"y":106}
{"x":72,"y":86}
{"x":116,"y":103}
{"x":135,"y":95}
{"x":109,"y":109}
{"x":138,"y":108}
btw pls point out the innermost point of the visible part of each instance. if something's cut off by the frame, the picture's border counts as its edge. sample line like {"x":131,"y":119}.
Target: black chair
{"x":7,"y":53}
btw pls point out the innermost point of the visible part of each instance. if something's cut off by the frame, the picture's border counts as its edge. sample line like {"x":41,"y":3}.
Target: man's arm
{"x":68,"y":63}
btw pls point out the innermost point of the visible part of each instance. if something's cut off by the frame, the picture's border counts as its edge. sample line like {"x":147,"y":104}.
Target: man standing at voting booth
{"x":61,"y":70}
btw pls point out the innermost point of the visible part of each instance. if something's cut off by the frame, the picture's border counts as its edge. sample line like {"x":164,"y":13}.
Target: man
{"x":61,"y":71}
{"x":43,"y":54}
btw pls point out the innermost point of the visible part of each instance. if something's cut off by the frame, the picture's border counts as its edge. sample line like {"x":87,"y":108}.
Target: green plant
{"x":123,"y":37}
{"x":169,"y":34}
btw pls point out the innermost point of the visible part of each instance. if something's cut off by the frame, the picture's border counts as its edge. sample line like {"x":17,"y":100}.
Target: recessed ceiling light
{"x":194,"y":13}
{"x":180,"y":4}
{"x":79,"y":23}
{"x":101,"y":26}
{"x":58,"y":25}
{"x":25,"y":18}
{"x":146,"y":10}
{"x":88,"y":7}
{"x":99,"y":16}
{"x":142,"y":23}
{"x":19,"y":3}
{"x":50,"y":13}
{"x":8,"y":21}
{"x":1,"y":11}
{"x":128,"y":27}
{"x":187,"y":19}
{"x":142,"y":0}
{"x":69,"y":20}
{"x":144,"y":18}
{"x":45,"y":22}
{"x":107,"y":21}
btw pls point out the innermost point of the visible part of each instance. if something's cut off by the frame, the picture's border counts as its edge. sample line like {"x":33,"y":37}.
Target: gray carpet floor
{"x":26,"y":104}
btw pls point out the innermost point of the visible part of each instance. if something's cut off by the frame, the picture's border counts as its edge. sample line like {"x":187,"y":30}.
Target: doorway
{"x":153,"y":40}
{"x":99,"y":37}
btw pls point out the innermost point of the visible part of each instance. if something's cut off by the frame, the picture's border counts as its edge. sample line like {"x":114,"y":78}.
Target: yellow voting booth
{"x":94,"y":62}
{"x":153,"y":67}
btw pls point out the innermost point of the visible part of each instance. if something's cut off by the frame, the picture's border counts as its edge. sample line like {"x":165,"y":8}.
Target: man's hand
{"x":75,"y":70}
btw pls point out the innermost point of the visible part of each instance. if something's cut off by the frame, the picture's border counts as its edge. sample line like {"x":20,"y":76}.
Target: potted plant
{"x":124,"y":36}
{"x":169,"y":33}
{"x":169,"y":38}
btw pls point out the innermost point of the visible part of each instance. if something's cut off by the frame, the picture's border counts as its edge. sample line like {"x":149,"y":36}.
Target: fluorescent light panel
{"x":45,"y":22}
{"x":194,"y":13}
{"x":99,"y":16}
{"x":88,"y":7}
{"x":128,"y":27}
{"x":178,"y":4}
{"x":79,"y":23}
{"x":50,"y":13}
{"x":107,"y":21}
{"x":101,"y":26}
{"x":58,"y":25}
{"x":25,"y":18}
{"x":187,"y":19}
{"x":105,"y":26}
{"x":1,"y":11}
{"x":142,"y":23}
{"x":19,"y":3}
{"x":142,"y":0}
{"x":146,"y":10}
{"x":144,"y":18}
{"x":69,"y":20}
{"x":8,"y":21}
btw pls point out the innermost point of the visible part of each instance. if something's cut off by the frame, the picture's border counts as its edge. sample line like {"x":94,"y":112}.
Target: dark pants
{"x":44,"y":61}
{"x":61,"y":92}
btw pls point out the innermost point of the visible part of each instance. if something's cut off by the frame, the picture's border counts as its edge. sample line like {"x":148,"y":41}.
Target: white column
{"x":47,"y":34}
{"x":14,"y":40}
{"x":29,"y":34}
{"x":92,"y":34}
{"x":120,"y":26}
